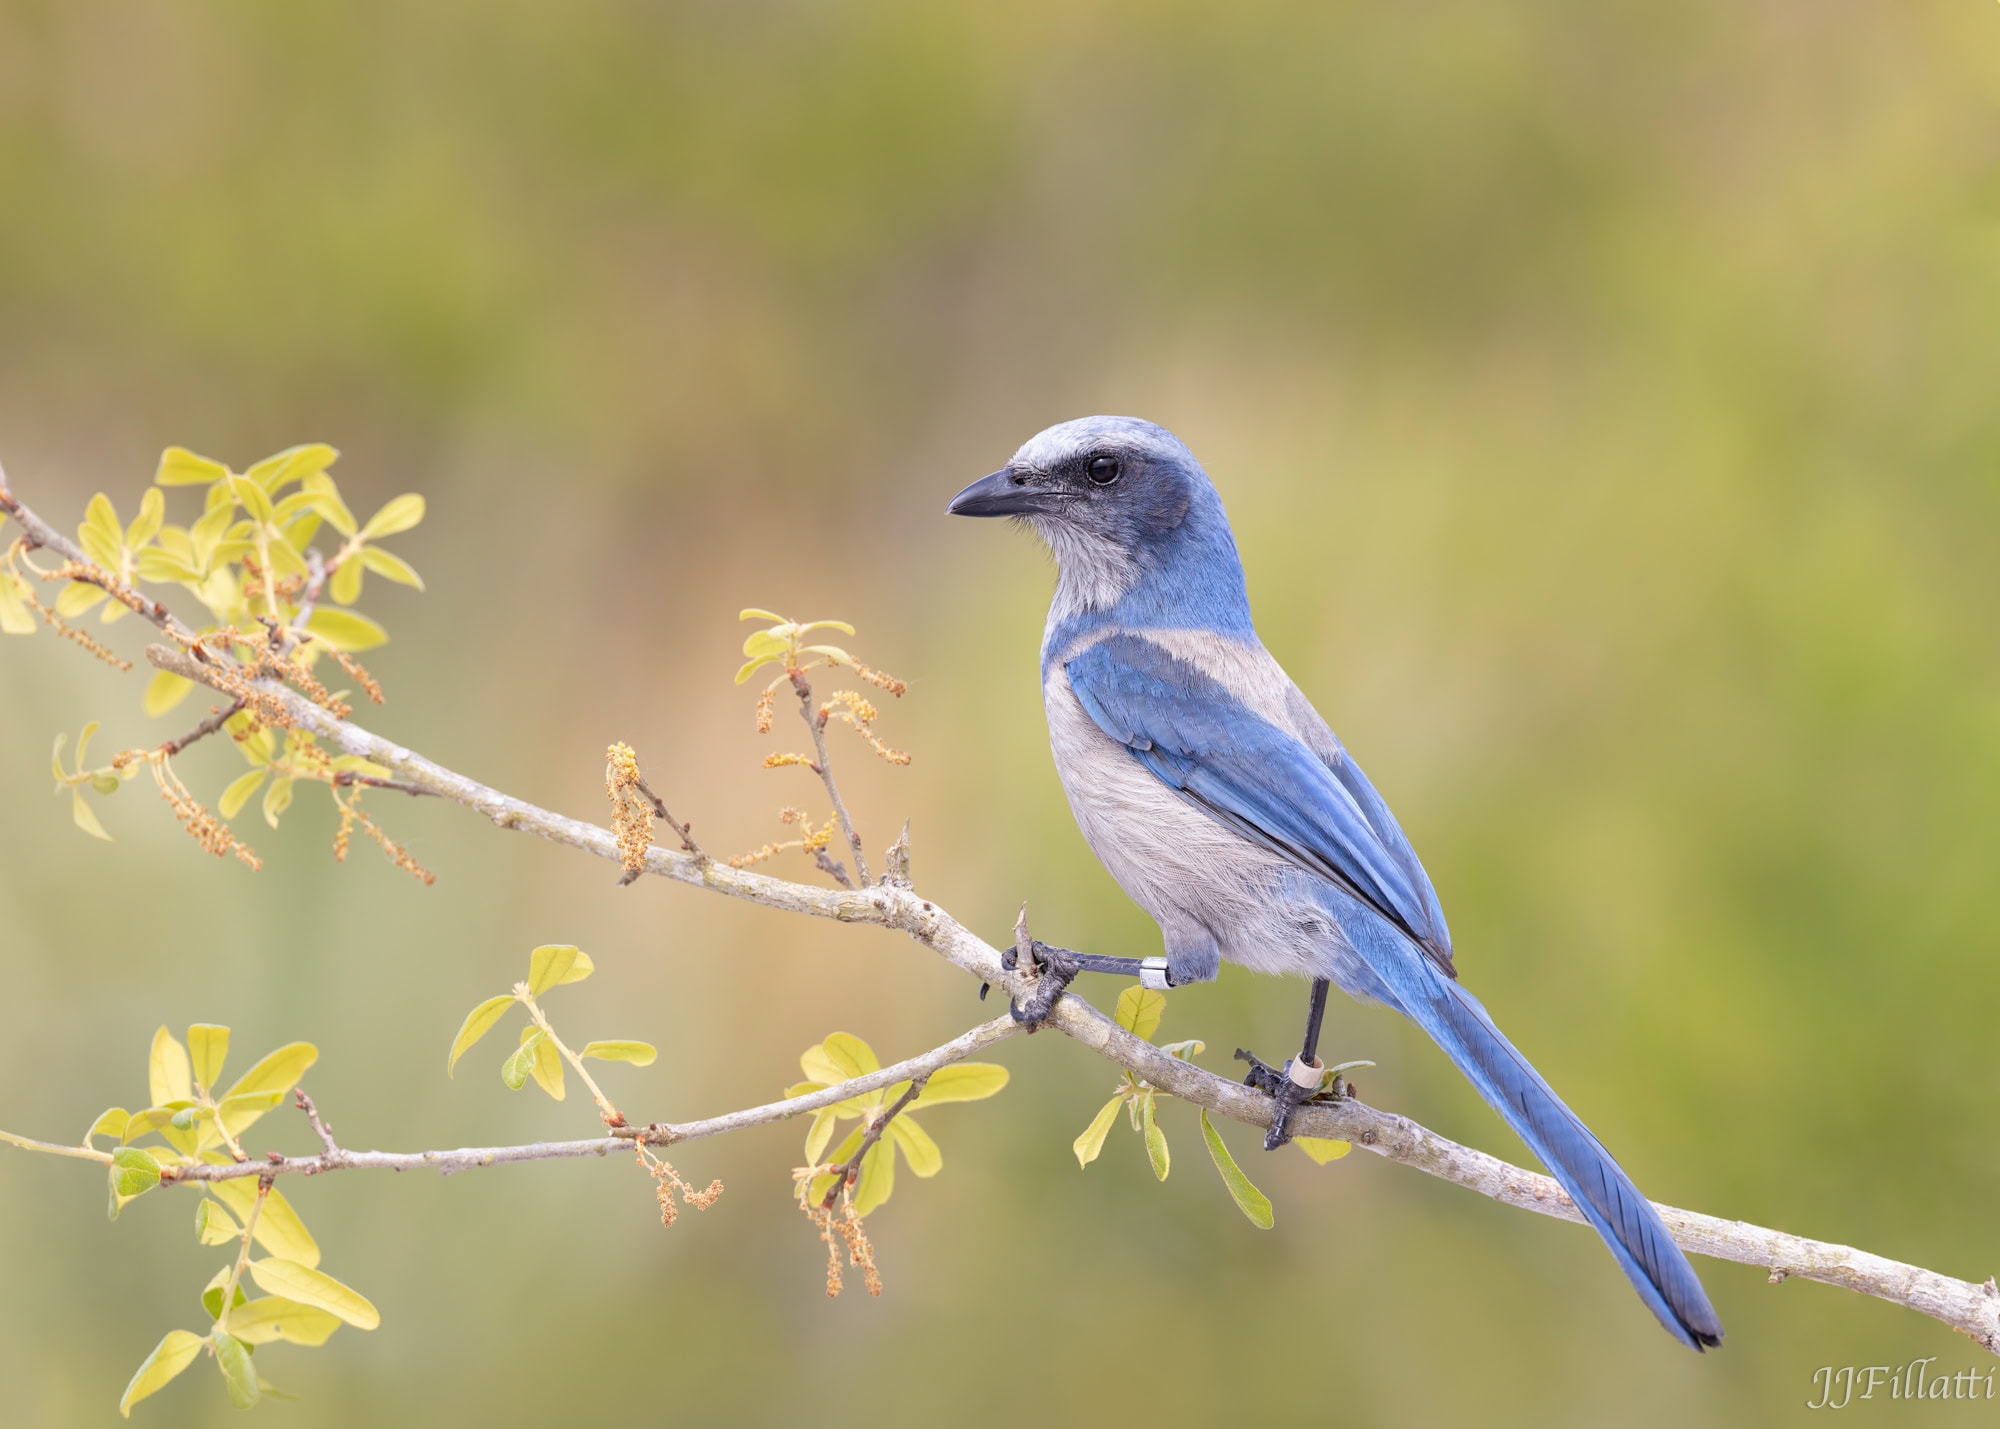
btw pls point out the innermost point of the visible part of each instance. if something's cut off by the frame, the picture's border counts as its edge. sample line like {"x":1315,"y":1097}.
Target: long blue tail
{"x":1603,"y":1192}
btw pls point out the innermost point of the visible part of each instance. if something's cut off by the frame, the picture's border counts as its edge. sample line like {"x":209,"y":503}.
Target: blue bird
{"x":1217,"y":797}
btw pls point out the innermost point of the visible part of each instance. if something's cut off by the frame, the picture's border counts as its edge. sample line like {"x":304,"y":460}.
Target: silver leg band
{"x":1153,"y":973}
{"x":1305,"y":1076}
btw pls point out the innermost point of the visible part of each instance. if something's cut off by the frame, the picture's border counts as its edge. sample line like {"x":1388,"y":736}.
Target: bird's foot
{"x":1052,"y":969}
{"x":1290,"y":1086}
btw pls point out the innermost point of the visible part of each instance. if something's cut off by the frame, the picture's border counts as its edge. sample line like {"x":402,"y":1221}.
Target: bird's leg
{"x":1056,"y":967}
{"x":1295,"y":1083}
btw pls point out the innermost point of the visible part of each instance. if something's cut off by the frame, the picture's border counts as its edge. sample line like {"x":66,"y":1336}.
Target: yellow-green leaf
{"x":232,"y":1357}
{"x":639,"y":1054}
{"x":207,"y":1046}
{"x":1254,"y":1204}
{"x":254,"y":499}
{"x":181,"y":467}
{"x":85,"y":816}
{"x":345,"y":629}
{"x":520,"y":1062}
{"x":239,"y":1111}
{"x":394,"y":567}
{"x":1140,"y":1010}
{"x":818,"y":1134}
{"x":877,"y":1180}
{"x":101,"y":535}
{"x":277,"y":799}
{"x":157,"y":563}
{"x":133,"y":1171}
{"x":395,"y":517}
{"x":1091,"y":1142}
{"x":743,"y":671}
{"x":477,"y":1024}
{"x":152,"y":515}
{"x":1156,"y":1140}
{"x":963,"y":1082}
{"x":854,"y":1056}
{"x":753,"y":613}
{"x":274,"y":473}
{"x":211,"y":1293}
{"x":326,"y":501}
{"x":280,"y":1071}
{"x":213,"y":1225}
{"x":1322,"y":1149}
{"x":169,"y":1357}
{"x":167,"y":1072}
{"x":555,"y":963}
{"x":109,"y":1123}
{"x":302,"y":1283}
{"x":165,"y":690}
{"x":274,"y":1317}
{"x":78,"y":597}
{"x":279,"y":1229}
{"x":207,"y":533}
{"x":154,"y":1118}
{"x":239,"y":791}
{"x":15,"y":617}
{"x":547,"y":1067}
{"x":917,"y":1147}
{"x":345,"y":586}
{"x":766,"y":645}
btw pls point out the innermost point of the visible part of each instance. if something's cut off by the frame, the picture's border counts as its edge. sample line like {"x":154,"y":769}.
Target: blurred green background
{"x":1603,"y":399}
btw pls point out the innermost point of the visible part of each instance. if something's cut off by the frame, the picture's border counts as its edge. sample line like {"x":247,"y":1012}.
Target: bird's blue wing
{"x":1261,"y":780}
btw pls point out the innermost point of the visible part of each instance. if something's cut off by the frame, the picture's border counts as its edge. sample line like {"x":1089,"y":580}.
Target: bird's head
{"x":1116,"y":498}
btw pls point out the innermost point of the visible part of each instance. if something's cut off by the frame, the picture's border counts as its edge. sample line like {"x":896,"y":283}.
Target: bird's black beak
{"x":1005,"y":493}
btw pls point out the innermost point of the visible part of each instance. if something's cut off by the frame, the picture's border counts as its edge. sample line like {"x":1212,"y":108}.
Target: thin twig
{"x":816,"y":722}
{"x":832,"y":867}
{"x":343,"y":778}
{"x":320,"y":1128}
{"x":849,"y":1171}
{"x":215,"y":721}
{"x":685,"y":832}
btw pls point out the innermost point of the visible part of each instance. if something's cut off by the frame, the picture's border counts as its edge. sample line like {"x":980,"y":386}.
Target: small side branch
{"x":203,"y":730}
{"x":848,"y":1171}
{"x":816,"y":722}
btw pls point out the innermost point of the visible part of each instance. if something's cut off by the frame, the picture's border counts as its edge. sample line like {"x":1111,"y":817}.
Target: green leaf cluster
{"x":783,"y":643}
{"x":193,"y":1120}
{"x":841,"y":1058}
{"x":539,"y":1054}
{"x":1140,"y":1011}
{"x":107,"y":779}
{"x":248,"y":557}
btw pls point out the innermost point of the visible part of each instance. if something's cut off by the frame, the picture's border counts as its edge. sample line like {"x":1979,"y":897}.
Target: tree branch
{"x":1966,"y":1306}
{"x":337,"y":1158}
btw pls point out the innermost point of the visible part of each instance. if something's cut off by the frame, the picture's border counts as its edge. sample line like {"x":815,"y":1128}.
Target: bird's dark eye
{"x":1104,"y":471}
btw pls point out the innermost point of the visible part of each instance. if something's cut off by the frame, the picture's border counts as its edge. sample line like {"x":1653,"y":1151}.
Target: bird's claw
{"x":1277,"y":1084}
{"x":1053,"y":971}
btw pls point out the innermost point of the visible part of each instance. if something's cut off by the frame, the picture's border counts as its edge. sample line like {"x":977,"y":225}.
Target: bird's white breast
{"x":1180,"y":864}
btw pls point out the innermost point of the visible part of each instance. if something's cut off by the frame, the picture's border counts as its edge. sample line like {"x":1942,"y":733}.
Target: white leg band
{"x":1305,"y":1076}
{"x":1153,"y":974}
